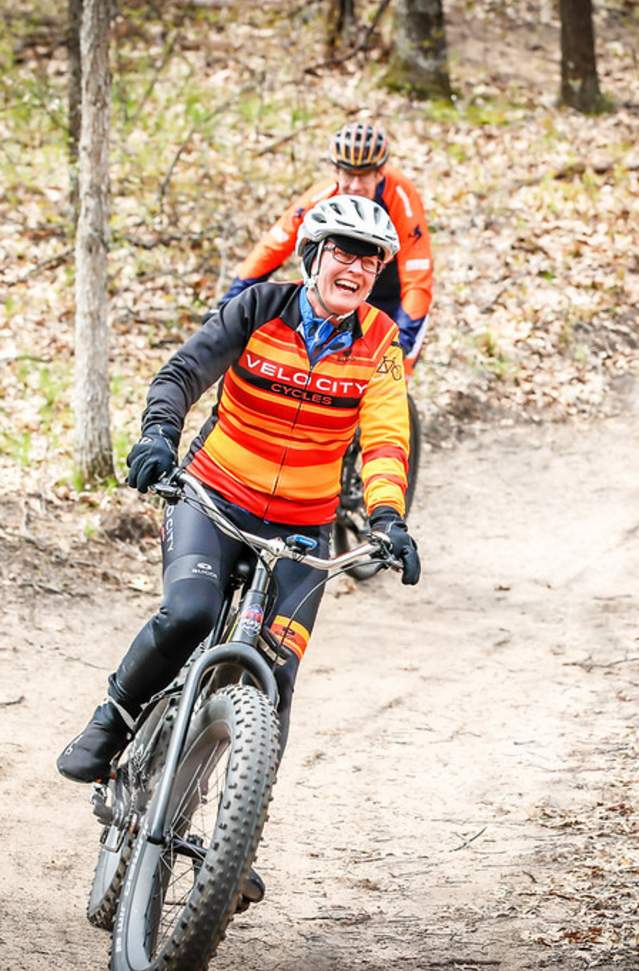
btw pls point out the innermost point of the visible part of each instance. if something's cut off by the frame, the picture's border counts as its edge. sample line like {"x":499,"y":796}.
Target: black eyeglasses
{"x":369,"y":264}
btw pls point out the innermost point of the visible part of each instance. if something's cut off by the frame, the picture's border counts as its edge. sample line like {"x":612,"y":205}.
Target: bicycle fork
{"x":240,"y":649}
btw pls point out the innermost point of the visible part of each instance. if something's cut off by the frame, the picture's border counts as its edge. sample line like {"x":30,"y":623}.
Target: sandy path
{"x":459,"y":790}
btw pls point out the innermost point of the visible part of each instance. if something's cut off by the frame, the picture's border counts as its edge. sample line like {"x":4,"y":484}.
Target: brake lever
{"x":168,"y":488}
{"x":384,"y":552}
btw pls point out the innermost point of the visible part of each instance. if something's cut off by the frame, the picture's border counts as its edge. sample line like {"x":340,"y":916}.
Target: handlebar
{"x":174,"y":488}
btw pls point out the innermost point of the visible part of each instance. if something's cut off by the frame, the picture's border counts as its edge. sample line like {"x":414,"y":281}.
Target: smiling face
{"x":358,"y":183}
{"x":343,"y":285}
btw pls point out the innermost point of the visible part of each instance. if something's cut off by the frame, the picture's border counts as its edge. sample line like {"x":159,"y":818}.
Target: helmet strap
{"x":310,"y":279}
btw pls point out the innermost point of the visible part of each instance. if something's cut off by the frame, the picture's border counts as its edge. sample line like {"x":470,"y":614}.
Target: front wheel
{"x":179,"y":897}
{"x":351,"y":524}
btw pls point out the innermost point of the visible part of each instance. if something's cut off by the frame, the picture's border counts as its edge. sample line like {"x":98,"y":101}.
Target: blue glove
{"x":152,"y":457}
{"x":387,"y":520}
{"x":409,"y":328}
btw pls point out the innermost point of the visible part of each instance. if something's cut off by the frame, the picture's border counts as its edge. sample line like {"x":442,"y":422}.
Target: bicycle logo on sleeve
{"x":389,"y":366}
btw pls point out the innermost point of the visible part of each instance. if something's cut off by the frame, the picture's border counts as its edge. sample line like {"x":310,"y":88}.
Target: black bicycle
{"x":351,"y":521}
{"x":185,"y":805}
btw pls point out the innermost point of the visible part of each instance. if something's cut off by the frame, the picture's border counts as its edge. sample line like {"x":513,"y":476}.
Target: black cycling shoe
{"x":88,"y":757}
{"x":253,"y":890}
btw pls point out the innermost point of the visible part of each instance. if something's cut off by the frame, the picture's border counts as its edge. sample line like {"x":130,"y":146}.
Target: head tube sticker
{"x":251,"y":619}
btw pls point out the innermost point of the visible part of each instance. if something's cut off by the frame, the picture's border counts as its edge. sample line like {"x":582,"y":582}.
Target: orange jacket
{"x":404,"y":288}
{"x":274,"y":443}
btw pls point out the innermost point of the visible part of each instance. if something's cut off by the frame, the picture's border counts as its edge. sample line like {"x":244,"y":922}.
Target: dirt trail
{"x":459,"y":790}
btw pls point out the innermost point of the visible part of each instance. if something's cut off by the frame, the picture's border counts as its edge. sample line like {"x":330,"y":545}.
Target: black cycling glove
{"x":387,"y":520}
{"x":152,"y":457}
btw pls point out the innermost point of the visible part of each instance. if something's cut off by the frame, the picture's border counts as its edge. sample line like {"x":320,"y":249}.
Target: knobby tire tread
{"x":250,"y":777}
{"x":104,"y":914}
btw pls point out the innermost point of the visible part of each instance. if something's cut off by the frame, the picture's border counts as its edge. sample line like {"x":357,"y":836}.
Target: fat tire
{"x":253,"y":732}
{"x":344,"y":538}
{"x":108,"y":878}
{"x":112,"y":863}
{"x":415,"y":452}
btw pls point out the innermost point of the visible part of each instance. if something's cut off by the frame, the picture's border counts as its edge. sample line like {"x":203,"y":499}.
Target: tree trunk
{"x":340,"y":24}
{"x":419,"y":63}
{"x":75,"y":99}
{"x":579,"y":81}
{"x":91,"y":391}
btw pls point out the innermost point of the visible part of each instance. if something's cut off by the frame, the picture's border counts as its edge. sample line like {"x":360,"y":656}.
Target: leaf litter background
{"x":220,"y":114}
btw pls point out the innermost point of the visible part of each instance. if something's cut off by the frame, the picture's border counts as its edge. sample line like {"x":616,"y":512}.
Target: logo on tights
{"x":204,"y":570}
{"x":168,"y":532}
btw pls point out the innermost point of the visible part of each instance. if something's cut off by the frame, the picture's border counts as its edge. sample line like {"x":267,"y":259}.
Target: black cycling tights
{"x":198,"y":559}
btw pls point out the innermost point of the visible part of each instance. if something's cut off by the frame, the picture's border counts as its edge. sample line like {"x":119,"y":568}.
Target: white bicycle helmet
{"x":352,"y":216}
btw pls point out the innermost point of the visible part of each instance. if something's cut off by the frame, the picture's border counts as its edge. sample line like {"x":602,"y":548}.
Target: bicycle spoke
{"x":191,"y":831}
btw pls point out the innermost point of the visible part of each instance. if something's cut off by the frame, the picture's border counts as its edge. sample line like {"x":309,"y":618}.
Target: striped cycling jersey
{"x":404,"y":287}
{"x":279,"y":428}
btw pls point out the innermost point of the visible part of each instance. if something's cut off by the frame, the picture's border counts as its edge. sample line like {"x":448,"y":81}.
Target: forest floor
{"x":460,"y":789}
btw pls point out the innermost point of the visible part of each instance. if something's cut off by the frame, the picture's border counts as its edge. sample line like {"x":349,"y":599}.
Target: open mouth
{"x":347,"y":285}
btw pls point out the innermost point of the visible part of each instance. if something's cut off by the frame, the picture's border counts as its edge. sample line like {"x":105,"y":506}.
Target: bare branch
{"x":166,"y":54}
{"x":212,"y":114}
{"x":48,"y":264}
{"x":12,"y":701}
{"x":283,"y":140}
{"x":468,"y":842}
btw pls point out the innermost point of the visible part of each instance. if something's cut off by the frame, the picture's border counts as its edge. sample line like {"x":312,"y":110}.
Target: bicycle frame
{"x":246,"y":632}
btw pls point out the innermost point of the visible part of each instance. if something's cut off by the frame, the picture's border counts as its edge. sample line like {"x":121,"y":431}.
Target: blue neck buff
{"x":320,"y":336}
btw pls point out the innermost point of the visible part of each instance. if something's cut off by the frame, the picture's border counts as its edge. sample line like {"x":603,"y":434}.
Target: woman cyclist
{"x":301,"y":366}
